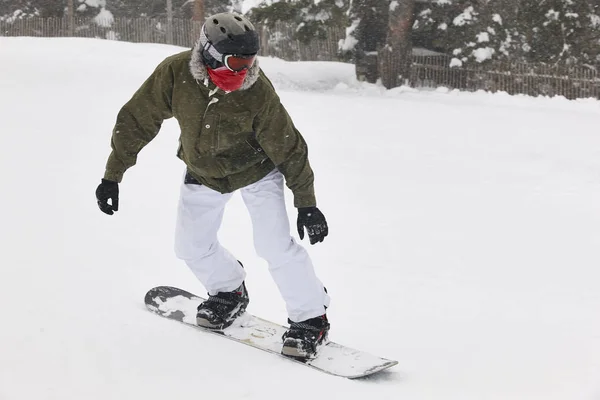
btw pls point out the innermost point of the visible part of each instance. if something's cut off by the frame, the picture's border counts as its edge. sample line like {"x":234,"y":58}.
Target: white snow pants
{"x":199,"y":217}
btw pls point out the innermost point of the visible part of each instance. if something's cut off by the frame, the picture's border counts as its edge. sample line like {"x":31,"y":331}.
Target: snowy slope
{"x":464,"y":239}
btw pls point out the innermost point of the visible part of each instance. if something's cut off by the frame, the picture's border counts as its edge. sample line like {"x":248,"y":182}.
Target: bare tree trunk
{"x":71,"y":17}
{"x":395,"y":56}
{"x":199,"y":11}
{"x":198,"y":19}
{"x":169,"y":21}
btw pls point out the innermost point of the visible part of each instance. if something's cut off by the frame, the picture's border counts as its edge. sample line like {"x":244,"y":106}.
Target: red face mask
{"x":226,"y":79}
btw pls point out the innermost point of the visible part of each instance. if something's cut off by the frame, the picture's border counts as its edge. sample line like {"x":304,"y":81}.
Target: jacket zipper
{"x":212,"y":101}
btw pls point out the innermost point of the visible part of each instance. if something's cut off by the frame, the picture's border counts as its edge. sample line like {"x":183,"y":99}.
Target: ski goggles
{"x":237,"y":62}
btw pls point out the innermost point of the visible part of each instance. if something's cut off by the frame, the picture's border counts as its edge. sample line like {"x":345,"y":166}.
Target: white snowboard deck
{"x":333,"y":358}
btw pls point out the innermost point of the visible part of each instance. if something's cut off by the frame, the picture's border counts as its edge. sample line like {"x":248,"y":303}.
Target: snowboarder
{"x":235,"y":135}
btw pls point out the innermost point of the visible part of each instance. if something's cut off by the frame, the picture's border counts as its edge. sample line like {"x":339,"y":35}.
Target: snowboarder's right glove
{"x":314,"y":221}
{"x":108,"y":190}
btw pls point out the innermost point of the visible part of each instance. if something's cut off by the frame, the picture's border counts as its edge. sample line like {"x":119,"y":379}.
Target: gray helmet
{"x":231,"y":33}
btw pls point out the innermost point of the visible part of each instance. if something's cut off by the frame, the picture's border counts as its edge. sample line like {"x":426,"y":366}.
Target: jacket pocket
{"x":254,"y":145}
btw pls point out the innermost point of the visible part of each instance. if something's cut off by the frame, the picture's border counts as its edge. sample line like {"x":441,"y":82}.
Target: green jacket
{"x":227,"y":141}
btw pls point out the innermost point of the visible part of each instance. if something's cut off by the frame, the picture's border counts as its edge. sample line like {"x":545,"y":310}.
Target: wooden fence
{"x":510,"y":77}
{"x":275,"y":42}
{"x":426,"y":71}
{"x":278,"y":42}
{"x":137,"y":30}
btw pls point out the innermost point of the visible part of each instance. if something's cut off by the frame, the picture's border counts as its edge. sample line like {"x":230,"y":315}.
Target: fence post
{"x":264,"y":41}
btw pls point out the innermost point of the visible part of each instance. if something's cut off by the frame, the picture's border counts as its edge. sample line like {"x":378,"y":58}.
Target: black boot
{"x":303,"y":339}
{"x":220,"y":310}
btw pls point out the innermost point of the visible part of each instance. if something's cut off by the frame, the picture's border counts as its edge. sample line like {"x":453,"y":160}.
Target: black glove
{"x":313,"y":220}
{"x":108,"y":190}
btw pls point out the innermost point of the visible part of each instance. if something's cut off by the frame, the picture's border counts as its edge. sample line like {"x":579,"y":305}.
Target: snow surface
{"x":464,"y":239}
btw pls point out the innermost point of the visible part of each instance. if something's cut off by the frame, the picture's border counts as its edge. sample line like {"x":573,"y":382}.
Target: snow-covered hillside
{"x":464,"y":239}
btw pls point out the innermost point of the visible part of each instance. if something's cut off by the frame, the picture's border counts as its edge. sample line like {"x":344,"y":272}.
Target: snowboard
{"x":332,"y":358}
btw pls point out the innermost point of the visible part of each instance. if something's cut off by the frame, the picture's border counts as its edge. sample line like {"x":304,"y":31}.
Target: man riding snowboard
{"x":235,"y":135}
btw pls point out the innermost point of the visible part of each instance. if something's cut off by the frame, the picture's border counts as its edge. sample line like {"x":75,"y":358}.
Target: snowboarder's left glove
{"x":314,"y":221}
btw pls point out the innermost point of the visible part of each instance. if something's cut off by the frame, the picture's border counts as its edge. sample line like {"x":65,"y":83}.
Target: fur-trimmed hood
{"x":199,"y":72}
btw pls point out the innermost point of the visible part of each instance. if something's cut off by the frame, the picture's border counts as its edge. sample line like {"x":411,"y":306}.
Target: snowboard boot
{"x":220,"y":310}
{"x":303,"y":339}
